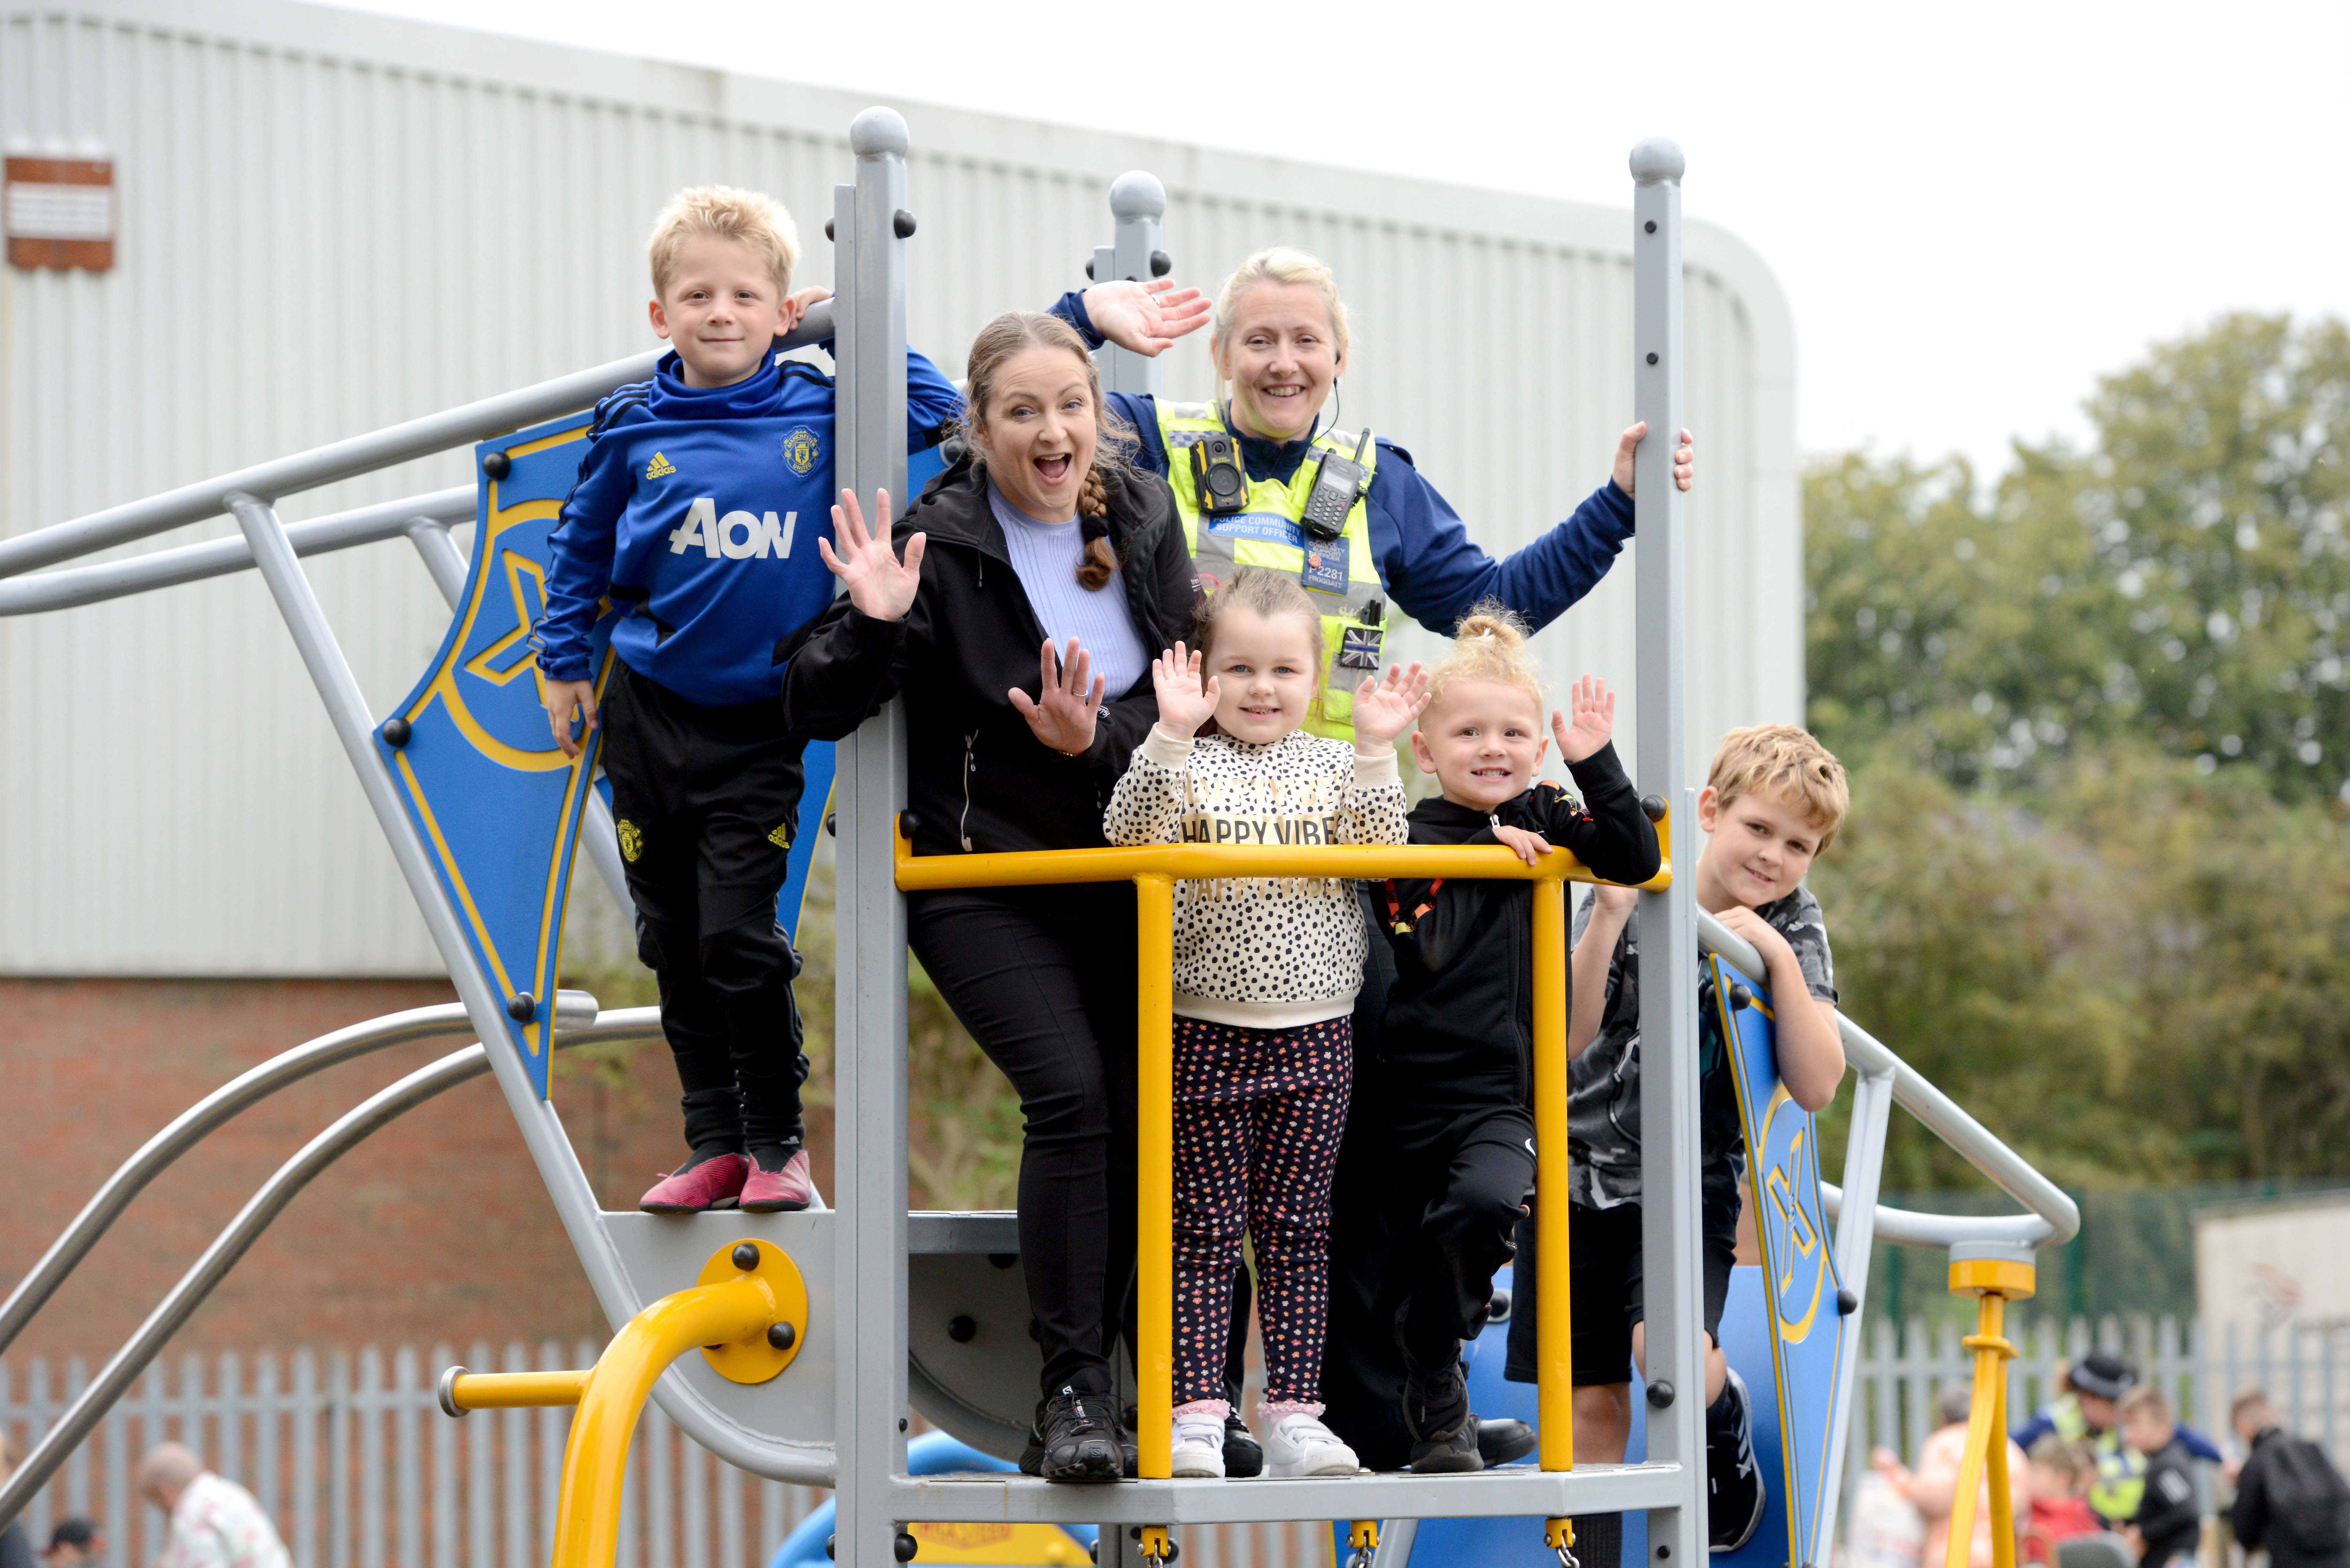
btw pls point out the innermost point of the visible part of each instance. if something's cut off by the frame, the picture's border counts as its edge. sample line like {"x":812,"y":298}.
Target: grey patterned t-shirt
{"x":1602,"y":1110}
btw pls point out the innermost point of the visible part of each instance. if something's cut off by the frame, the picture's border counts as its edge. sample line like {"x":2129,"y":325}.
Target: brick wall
{"x":435,"y":1228}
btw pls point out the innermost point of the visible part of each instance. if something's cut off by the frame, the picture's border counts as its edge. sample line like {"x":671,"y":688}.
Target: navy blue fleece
{"x":701,"y":505}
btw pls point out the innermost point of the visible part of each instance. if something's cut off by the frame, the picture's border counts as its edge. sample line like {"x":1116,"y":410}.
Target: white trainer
{"x":1300,"y":1445}
{"x":1200,"y":1447}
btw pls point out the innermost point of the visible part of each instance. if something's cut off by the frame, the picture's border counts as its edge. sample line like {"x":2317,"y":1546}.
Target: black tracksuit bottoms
{"x":1043,"y":979}
{"x":1453,"y":1208}
{"x":705,"y":801}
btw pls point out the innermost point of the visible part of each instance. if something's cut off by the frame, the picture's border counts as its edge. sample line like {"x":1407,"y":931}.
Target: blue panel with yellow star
{"x":496,"y":802}
{"x":1802,"y":1296}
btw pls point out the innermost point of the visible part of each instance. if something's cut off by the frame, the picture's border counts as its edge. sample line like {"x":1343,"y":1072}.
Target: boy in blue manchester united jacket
{"x":697,"y":507}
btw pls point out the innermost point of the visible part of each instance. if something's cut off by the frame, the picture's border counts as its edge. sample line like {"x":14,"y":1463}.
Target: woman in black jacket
{"x":1042,"y":536}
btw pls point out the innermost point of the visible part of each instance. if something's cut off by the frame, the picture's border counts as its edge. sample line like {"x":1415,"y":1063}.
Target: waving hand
{"x":877,"y":584}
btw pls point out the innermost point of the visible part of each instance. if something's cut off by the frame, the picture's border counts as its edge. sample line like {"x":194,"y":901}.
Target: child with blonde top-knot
{"x":1456,"y":1041}
{"x":1265,"y":975}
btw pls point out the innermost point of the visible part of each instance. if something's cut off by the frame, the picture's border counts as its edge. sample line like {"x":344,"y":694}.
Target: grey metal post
{"x":1669,"y":957}
{"x":870,"y":1009}
{"x":1856,"y":1237}
{"x":1137,"y":200}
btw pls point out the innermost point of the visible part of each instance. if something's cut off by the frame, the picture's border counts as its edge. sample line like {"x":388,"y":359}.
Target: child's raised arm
{"x":1146,"y":807}
{"x":1610,"y":833}
{"x":1372,"y":809}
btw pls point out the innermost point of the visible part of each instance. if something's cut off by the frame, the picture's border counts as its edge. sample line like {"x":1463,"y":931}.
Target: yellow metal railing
{"x":1993,"y":1282}
{"x":1154,"y":870}
{"x":748,"y":1314}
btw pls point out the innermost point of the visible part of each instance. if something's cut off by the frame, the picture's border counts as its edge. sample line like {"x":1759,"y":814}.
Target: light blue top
{"x":1045,"y":555}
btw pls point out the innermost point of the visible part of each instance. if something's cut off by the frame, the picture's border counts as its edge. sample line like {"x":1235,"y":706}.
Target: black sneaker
{"x":1500,"y":1442}
{"x":1243,"y":1456}
{"x":1733,"y":1481}
{"x":1436,"y":1413}
{"x":1074,"y":1439}
{"x":1453,"y":1452}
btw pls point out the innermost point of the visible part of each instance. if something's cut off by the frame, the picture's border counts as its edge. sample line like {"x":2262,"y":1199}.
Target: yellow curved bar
{"x":587,"y":1521}
{"x":1205,"y":862}
{"x":516,"y":1391}
{"x":1554,"y":1318}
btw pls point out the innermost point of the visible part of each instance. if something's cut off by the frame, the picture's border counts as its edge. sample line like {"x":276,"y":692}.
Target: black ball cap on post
{"x":746,"y":1256}
{"x":496,"y":465}
{"x":522,"y":1007}
{"x":395,"y":732}
{"x":1653,"y":807}
{"x":1661,"y":1395}
{"x":782,"y":1335}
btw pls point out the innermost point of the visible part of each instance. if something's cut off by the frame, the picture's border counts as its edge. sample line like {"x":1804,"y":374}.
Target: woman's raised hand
{"x":1684,"y":458}
{"x":1073,"y":695}
{"x":878,"y":583}
{"x":1183,"y":703}
{"x":1594,"y":708}
{"x":1385,"y":709}
{"x":1145,"y":316}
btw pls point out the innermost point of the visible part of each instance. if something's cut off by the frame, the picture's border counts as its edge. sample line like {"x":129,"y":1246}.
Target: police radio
{"x":1216,"y":476}
{"x":1337,"y":485}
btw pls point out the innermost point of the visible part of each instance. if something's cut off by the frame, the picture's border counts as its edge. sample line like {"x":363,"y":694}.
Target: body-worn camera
{"x":1216,"y":476}
{"x":1337,"y":484}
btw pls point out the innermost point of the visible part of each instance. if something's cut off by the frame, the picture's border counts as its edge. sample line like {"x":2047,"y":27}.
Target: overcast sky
{"x":1975,"y":209}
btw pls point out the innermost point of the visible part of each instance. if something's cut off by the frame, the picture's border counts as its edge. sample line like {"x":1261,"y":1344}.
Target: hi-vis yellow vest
{"x":1268,"y":531}
{"x":2120,"y":1485}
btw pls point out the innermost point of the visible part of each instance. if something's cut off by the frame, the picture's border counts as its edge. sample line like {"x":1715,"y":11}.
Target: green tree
{"x":2185,"y":579}
{"x":2218,"y":494}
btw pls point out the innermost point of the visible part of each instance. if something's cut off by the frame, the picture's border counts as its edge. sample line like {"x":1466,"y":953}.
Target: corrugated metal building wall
{"x":331,"y":221}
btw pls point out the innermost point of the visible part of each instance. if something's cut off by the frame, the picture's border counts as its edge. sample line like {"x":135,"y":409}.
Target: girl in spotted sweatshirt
{"x":1265,"y":975}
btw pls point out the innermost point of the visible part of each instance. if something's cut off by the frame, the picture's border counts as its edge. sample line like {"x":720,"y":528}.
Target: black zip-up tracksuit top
{"x":1459,"y":1032}
{"x":979,"y":780}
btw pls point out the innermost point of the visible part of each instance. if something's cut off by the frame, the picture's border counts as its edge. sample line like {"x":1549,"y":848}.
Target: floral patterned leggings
{"x":1258,"y":1117}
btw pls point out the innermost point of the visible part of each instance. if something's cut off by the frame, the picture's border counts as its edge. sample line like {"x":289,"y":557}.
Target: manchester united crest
{"x":801,"y":450}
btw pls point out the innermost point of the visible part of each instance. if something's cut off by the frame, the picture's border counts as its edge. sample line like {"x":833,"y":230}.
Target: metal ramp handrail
{"x":346,"y":1133}
{"x":2055,"y":1219}
{"x":351,"y":458}
{"x":192,"y":1127}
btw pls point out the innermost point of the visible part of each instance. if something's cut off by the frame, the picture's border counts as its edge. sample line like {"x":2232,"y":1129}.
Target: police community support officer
{"x":1261,"y":482}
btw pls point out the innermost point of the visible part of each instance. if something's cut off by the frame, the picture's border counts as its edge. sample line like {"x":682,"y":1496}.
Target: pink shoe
{"x":715,"y":1183}
{"x":770,"y":1191}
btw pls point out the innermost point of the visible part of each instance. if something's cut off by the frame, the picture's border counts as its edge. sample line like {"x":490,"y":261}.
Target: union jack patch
{"x":1358,"y":647}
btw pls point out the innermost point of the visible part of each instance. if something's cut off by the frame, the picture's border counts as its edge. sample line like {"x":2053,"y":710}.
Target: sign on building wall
{"x":58,"y":209}
{"x":2272,"y":1287}
{"x":2272,"y":1266}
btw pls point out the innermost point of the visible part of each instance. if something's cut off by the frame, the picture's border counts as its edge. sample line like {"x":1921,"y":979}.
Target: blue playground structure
{"x":793,"y":1346}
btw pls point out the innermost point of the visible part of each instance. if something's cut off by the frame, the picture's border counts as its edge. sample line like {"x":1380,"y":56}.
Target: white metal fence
{"x":350,"y":1454}
{"x":2304,"y":1370}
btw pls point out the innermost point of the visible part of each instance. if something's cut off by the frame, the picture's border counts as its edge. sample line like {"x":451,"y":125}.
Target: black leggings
{"x":1043,"y":979}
